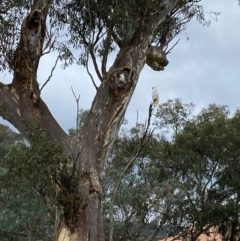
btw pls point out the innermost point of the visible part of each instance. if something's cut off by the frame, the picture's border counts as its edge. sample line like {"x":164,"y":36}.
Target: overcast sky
{"x":204,"y":69}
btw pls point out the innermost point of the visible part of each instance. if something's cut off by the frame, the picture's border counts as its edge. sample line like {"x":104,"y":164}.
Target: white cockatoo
{"x":155,"y":96}
{"x":121,"y":77}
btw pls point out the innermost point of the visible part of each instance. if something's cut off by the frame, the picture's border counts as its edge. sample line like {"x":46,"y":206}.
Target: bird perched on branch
{"x":155,"y":96}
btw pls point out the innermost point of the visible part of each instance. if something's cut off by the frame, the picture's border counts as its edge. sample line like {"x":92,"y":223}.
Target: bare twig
{"x":168,"y":52}
{"x":77,"y":100}
{"x":95,"y":64}
{"x":50,"y":76}
{"x":50,"y":43}
{"x":100,"y":34}
{"x":90,"y":46}
{"x":141,"y":144}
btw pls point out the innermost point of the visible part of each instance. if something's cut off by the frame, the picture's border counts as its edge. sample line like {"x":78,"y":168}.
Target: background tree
{"x":201,"y":154}
{"x":173,"y":114}
{"x":26,"y":210}
{"x":141,"y":31}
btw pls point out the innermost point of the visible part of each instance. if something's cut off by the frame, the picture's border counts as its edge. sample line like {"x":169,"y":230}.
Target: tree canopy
{"x":77,"y":29}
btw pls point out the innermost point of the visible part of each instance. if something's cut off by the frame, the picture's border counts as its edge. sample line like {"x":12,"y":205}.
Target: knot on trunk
{"x":121,"y":79}
{"x":156,"y":58}
{"x":35,"y":30}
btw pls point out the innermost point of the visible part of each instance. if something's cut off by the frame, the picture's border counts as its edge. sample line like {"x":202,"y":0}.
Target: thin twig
{"x":50,"y":42}
{"x":168,"y":52}
{"x":95,"y":64}
{"x":90,"y":46}
{"x":99,"y":34}
{"x":51,"y":74}
{"x":89,"y":71}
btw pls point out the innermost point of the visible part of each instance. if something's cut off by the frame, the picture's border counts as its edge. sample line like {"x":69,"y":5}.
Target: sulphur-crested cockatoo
{"x":155,"y":96}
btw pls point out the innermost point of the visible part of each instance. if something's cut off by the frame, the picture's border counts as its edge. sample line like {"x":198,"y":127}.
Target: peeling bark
{"x":20,"y":103}
{"x":17,"y":107}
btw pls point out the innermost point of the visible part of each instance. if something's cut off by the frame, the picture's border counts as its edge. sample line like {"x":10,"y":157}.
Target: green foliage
{"x":7,"y":139}
{"x":144,"y":184}
{"x":96,"y":26}
{"x":21,"y":181}
{"x":204,"y":153}
{"x":12,"y":14}
{"x":189,"y":180}
{"x":29,"y":176}
{"x":173,"y":114}
{"x":38,"y":162}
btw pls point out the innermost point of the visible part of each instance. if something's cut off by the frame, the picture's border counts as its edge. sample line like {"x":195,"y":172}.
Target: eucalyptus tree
{"x":140,"y":31}
{"x":173,"y":114}
{"x":23,"y":214}
{"x":7,"y":139}
{"x":205,"y":156}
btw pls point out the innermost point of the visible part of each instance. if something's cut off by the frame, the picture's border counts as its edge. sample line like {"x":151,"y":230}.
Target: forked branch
{"x":89,"y":73}
{"x":51,"y":74}
{"x":77,"y":100}
{"x":88,"y":48}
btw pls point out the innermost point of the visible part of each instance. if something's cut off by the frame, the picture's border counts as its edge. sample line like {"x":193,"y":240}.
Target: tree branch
{"x":117,"y":40}
{"x":89,"y":45}
{"x":51,"y":74}
{"x":107,"y":45}
{"x":95,"y":64}
{"x":77,"y":100}
{"x":89,"y":73}
{"x":51,"y":40}
{"x":29,"y":50}
{"x":168,"y":52}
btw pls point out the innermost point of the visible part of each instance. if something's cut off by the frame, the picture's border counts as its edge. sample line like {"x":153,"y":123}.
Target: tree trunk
{"x":21,"y":103}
